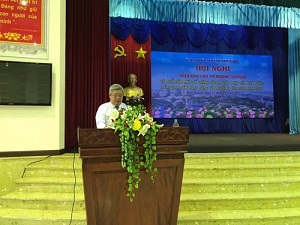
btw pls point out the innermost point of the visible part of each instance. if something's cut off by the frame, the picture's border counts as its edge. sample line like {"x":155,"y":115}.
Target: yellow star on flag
{"x":141,"y":53}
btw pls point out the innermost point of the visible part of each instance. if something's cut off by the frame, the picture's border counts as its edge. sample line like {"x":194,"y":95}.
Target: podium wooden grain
{"x":105,"y":180}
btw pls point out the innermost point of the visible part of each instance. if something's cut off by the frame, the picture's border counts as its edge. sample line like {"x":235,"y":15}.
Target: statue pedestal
{"x":105,"y":180}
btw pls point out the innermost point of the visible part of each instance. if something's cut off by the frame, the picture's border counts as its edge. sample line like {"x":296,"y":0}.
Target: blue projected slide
{"x":194,"y":85}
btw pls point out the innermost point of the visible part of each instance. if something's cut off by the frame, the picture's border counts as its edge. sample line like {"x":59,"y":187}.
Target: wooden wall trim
{"x":32,"y":153}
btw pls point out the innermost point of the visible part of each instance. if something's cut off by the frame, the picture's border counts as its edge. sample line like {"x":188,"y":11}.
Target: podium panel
{"x":155,"y":203}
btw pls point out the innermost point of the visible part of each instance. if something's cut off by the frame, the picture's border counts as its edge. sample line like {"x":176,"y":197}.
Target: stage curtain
{"x":87,"y":64}
{"x":294,"y":81}
{"x":248,"y":40}
{"x":212,"y":38}
{"x":207,"y":12}
{"x":88,"y":50}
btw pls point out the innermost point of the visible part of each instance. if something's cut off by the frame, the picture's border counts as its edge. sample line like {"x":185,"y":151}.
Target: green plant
{"x":131,"y":124}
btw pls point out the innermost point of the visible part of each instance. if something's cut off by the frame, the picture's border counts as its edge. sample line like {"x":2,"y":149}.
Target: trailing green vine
{"x":131,"y":124}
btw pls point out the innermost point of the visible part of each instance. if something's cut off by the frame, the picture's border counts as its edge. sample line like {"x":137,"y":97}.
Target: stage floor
{"x":254,"y":142}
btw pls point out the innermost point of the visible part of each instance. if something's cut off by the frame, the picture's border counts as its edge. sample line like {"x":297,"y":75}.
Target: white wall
{"x":38,"y":128}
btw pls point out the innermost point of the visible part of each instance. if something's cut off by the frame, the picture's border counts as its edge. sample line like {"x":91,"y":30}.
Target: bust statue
{"x":133,"y":94}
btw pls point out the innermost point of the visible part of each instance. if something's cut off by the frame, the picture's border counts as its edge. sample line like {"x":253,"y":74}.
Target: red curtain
{"x":91,"y":67}
{"x":133,"y":62}
{"x":87,"y":64}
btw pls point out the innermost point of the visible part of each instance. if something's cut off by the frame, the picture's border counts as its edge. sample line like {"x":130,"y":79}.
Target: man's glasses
{"x":117,"y":95}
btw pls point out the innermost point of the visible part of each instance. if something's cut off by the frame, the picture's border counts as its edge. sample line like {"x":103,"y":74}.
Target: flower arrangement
{"x":131,"y":125}
{"x":133,"y":97}
{"x":134,"y":100}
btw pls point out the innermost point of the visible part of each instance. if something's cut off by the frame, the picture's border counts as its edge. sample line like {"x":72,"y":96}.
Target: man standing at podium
{"x":116,"y":93}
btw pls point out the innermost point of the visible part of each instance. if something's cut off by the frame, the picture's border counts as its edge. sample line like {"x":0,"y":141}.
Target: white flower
{"x":114,"y":115}
{"x":112,"y":118}
{"x":123,"y":116}
{"x":144,"y":130}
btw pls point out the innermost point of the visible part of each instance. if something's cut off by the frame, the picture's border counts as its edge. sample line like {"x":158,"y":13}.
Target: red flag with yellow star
{"x":129,"y":56}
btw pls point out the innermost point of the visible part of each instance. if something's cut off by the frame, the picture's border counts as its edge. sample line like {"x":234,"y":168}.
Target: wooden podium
{"x":105,"y":180}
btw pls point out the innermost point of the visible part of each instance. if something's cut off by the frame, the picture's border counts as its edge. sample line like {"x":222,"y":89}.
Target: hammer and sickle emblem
{"x":120,"y":50}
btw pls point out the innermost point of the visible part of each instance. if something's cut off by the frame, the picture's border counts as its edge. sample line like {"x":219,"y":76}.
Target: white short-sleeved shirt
{"x":103,"y":113}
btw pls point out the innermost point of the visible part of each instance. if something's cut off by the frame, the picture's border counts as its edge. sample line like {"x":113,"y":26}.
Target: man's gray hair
{"x":114,"y":87}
